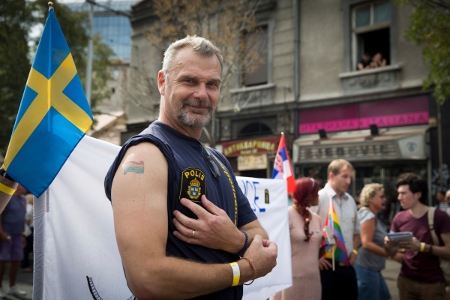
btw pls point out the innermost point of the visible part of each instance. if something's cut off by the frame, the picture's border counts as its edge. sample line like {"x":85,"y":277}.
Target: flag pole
{"x":333,"y":257}
{"x":332,"y":227}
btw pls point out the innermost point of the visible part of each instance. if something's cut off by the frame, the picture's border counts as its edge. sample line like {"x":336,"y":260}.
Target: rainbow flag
{"x":53,"y":116}
{"x":282,"y":168}
{"x":340,"y":252}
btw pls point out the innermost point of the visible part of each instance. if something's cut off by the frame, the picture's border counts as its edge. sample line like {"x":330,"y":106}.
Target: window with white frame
{"x":371,"y":31}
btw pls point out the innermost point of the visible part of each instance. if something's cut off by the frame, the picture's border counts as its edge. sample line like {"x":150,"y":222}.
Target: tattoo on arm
{"x":134,"y":166}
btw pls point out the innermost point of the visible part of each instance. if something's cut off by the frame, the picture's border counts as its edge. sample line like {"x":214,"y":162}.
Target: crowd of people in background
{"x":314,"y":274}
{"x":366,"y":240}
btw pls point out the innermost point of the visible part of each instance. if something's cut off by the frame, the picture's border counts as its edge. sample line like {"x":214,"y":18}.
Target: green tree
{"x":430,"y":26}
{"x":101,"y":73}
{"x":16,"y":19}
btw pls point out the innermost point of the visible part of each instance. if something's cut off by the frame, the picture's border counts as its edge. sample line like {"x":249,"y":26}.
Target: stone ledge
{"x":371,"y":80}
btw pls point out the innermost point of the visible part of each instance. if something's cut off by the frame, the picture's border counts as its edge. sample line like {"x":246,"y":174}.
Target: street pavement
{"x":390,"y":275}
{"x":25,"y":281}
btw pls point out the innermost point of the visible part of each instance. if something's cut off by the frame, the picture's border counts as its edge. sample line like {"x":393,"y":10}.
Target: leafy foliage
{"x":101,"y":74}
{"x":16,"y":19}
{"x":430,"y":27}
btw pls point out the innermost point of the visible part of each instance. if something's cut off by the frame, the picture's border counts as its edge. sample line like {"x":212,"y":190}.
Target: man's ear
{"x":419,"y":195}
{"x":161,"y":82}
{"x":331,"y":176}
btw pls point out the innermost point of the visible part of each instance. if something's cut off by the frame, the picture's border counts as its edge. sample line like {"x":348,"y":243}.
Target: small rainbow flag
{"x":134,"y":166}
{"x":340,"y":252}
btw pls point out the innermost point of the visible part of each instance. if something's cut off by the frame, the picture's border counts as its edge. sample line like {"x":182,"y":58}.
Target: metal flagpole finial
{"x":50,"y":6}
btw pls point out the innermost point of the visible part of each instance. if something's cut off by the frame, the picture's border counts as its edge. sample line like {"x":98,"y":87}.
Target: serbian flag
{"x":282,"y":168}
{"x":337,"y":251}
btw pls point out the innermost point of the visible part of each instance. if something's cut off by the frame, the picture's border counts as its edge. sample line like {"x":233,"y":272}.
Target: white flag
{"x":76,"y":254}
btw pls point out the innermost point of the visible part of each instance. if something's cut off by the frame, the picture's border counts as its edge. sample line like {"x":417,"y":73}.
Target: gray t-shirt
{"x":366,"y":258}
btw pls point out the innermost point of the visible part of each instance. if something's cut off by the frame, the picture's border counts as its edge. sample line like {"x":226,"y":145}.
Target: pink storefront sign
{"x":339,"y":125}
{"x":387,"y":113}
{"x":395,"y":120}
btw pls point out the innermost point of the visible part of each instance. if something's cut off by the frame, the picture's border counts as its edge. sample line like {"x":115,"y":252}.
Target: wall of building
{"x":283,"y":53}
{"x":146,"y":61}
{"x":326,"y":47}
{"x":326,"y":78}
{"x":321,"y":49}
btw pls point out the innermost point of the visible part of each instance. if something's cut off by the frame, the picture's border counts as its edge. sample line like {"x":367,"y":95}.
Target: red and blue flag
{"x":282,"y":168}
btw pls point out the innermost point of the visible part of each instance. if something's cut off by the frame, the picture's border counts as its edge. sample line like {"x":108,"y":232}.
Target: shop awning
{"x":405,"y":143}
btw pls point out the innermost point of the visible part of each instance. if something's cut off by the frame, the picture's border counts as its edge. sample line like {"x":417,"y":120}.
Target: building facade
{"x":111,"y":22}
{"x":380,"y":119}
{"x":308,"y":87}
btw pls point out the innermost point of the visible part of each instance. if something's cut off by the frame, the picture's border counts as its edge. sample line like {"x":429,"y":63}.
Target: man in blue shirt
{"x":184,"y":228}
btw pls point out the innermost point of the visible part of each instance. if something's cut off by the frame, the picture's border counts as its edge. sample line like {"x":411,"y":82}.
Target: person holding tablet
{"x":420,"y":276}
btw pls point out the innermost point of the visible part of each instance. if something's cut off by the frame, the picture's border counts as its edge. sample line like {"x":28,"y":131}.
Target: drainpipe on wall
{"x":296,"y":61}
{"x":439,"y":137}
{"x":88,"y":83}
{"x":297,"y":50}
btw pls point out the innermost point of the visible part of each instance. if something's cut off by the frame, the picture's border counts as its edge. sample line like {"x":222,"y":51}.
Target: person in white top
{"x":341,"y":282}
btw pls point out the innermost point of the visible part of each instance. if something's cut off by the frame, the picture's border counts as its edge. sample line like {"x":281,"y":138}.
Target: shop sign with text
{"x":249,"y":147}
{"x":352,"y":152}
{"x":401,"y":112}
{"x":252,"y":162}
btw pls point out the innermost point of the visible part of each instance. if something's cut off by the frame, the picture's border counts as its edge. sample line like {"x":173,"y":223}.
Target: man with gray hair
{"x":184,"y":228}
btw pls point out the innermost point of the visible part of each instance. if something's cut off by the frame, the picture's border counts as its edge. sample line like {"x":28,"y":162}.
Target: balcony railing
{"x":371,"y":80}
{"x":250,"y":97}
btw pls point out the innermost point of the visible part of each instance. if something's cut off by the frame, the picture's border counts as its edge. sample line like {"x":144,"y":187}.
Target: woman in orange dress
{"x":306,"y":239}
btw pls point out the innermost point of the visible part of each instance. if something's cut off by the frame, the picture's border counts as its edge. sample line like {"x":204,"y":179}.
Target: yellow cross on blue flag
{"x":53,"y":116}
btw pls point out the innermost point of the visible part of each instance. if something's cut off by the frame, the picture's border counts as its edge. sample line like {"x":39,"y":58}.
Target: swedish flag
{"x":53,"y":116}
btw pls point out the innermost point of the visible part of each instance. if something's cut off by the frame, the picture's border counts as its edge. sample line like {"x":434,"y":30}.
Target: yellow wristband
{"x":6,"y":189}
{"x":355,"y":251}
{"x":236,"y":273}
{"x":422,"y":247}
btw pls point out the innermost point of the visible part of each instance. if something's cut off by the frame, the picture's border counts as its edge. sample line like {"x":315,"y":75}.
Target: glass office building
{"x":111,"y":23}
